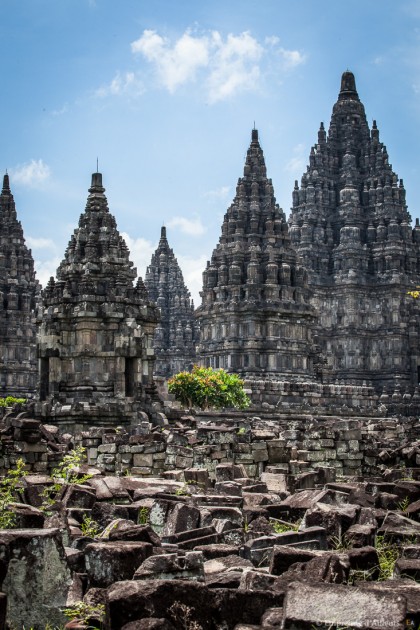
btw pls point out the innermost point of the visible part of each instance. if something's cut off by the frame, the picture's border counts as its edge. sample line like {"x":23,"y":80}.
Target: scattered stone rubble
{"x":194,"y":550}
{"x":189,"y":524}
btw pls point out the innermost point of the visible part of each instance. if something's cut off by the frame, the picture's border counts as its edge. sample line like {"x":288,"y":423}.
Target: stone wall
{"x":290,"y":445}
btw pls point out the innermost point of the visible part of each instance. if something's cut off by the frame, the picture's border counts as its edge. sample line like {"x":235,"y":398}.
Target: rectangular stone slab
{"x":332,"y":604}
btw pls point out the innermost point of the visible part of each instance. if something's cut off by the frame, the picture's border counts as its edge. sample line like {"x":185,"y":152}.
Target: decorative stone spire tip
{"x":348,"y":86}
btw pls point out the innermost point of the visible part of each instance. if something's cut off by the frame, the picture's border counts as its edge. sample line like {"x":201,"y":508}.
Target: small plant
{"x":360,"y":575}
{"x":8,"y":489}
{"x":280,"y":527}
{"x":90,"y":527}
{"x":144,"y":514}
{"x":180,"y":492}
{"x":241,"y":431}
{"x":388,"y":555}
{"x":182,"y":615}
{"x":85,"y":612}
{"x":340,"y":543}
{"x":64,"y":473}
{"x":403,"y":505}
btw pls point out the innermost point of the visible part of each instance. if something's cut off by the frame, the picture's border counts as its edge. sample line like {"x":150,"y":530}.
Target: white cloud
{"x":192,"y":270}
{"x":291,"y":58}
{"x":219,"y":193}
{"x":46,"y":268}
{"x":235,"y":65}
{"x":175,"y":65}
{"x":40,"y":243}
{"x":297,"y":163}
{"x":141,"y":252}
{"x":31,"y":173}
{"x":193,"y":227}
{"x":224,"y":66}
{"x":124,"y":83}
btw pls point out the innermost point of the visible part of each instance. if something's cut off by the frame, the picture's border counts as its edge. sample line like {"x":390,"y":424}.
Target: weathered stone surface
{"x":344,"y":229}
{"x":172,"y":566}
{"x":20,"y":292}
{"x":38,"y":578}
{"x":176,"y":334}
{"x":246,"y":288}
{"x":336,"y":520}
{"x":96,"y":328}
{"x":180,"y":519}
{"x":282,"y":558}
{"x":131,"y":600}
{"x":114,"y":561}
{"x":336,"y":605}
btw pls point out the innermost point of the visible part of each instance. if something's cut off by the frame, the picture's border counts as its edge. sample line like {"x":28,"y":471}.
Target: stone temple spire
{"x":19,"y":290}
{"x":255,"y":318}
{"x":96,"y":330}
{"x":176,"y":333}
{"x":351,"y":227}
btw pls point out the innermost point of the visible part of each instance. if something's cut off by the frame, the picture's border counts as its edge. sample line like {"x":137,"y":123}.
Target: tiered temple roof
{"x":255,"y":317}
{"x":351,"y":227}
{"x":176,"y":334}
{"x":18,"y":295}
{"x":96,"y":330}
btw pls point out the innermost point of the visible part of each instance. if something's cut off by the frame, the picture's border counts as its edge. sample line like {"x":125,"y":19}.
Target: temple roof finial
{"x":6,"y":184}
{"x":96,"y":185}
{"x":348,"y":87}
{"x":254,"y":136}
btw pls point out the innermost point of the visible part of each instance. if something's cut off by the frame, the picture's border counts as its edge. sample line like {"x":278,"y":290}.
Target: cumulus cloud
{"x":122,"y":83}
{"x":224,"y":66}
{"x":31,"y":173}
{"x":177,"y":64}
{"x":192,"y":227}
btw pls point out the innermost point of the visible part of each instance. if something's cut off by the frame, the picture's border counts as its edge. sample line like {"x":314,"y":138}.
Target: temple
{"x":351,"y":228}
{"x":95,"y":340}
{"x":255,"y":317}
{"x":176,"y":333}
{"x":18,"y":297}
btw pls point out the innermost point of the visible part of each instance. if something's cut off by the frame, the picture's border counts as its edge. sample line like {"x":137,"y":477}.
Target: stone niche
{"x":95,"y":342}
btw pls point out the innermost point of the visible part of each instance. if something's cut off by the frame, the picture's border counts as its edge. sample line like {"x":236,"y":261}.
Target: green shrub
{"x":207,"y":388}
{"x":9,"y":401}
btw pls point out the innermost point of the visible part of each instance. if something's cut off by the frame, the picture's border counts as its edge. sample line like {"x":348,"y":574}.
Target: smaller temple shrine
{"x":95,"y":342}
{"x":18,"y":296}
{"x":176,"y":333}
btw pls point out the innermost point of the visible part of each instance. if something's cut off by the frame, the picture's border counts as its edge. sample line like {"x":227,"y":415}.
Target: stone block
{"x":334,"y":605}
{"x":142,"y":460}
{"x":38,"y":579}
{"x":110,"y":562}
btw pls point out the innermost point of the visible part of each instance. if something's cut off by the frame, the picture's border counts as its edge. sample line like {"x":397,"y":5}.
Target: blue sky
{"x":165,"y":93}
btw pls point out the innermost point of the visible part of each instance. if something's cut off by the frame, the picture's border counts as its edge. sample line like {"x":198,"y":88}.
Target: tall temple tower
{"x":175,"y":334}
{"x":255,"y":318}
{"x":351,"y":227}
{"x":18,"y":295}
{"x":96,"y":330}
